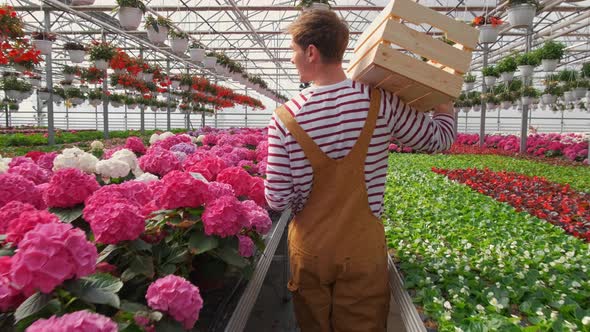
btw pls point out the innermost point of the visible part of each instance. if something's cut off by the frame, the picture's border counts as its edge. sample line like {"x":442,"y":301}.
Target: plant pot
{"x":568,"y":96}
{"x":209,"y":62}
{"x":580,"y":93}
{"x":548,"y":99}
{"x":476,"y":108}
{"x":525,"y":100}
{"x":157,"y":37}
{"x":488,"y":33}
{"x":44,"y":46}
{"x":468,"y":85}
{"x":549,"y":65}
{"x":185,"y":87}
{"x":82,"y":2}
{"x":197,"y":54}
{"x":507,"y":76}
{"x":319,"y":6}
{"x":21,"y":68}
{"x":175,"y":84}
{"x":506,"y":104}
{"x":101,"y":64}
{"x":179,"y":45}
{"x":43,"y":96}
{"x":116,"y":104}
{"x":131,"y":106}
{"x":490,"y":80}
{"x":77,"y":101}
{"x":526,"y":70}
{"x":35,"y":82}
{"x":95,"y":102}
{"x":69,"y":77}
{"x":587,"y":96}
{"x":13,"y":94}
{"x":130,"y":17}
{"x":119,"y":71}
{"x":76,"y":56}
{"x":148,"y":77}
{"x":490,"y":106}
{"x":522,"y":15}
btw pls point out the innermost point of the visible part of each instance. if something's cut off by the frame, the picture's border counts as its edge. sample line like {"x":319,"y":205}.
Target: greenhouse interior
{"x":172,"y":165}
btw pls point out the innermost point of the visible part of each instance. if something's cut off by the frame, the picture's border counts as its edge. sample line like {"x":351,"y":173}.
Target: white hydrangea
{"x":126,"y":156}
{"x":3,"y":166}
{"x":112,"y":168}
{"x":96,"y":145}
{"x":586,"y":320}
{"x":87,"y":163}
{"x":69,"y":160}
{"x":165,"y":135}
{"x":75,"y":151}
{"x":147,"y":177}
{"x":137,"y":172}
{"x":195,"y":140}
{"x":154,"y":138}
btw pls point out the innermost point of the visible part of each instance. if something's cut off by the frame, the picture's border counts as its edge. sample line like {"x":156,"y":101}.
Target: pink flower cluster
{"x":224,"y":217}
{"x":79,"y":321}
{"x":69,"y":187}
{"x":171,"y":141}
{"x":25,"y":222}
{"x":14,"y":187}
{"x":11,"y":211}
{"x":176,"y":296}
{"x":48,"y":255}
{"x":31,"y":171}
{"x":246,"y":246}
{"x":209,"y":167}
{"x":238,"y":178}
{"x":136,"y":145}
{"x":180,"y":189}
{"x":10,"y":297}
{"x":159,"y":161}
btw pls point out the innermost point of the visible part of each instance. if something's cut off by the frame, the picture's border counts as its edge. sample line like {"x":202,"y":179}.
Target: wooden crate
{"x":420,"y":84}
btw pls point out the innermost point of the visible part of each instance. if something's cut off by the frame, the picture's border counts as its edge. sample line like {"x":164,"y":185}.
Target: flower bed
{"x":145,"y":236}
{"x":474,"y":264}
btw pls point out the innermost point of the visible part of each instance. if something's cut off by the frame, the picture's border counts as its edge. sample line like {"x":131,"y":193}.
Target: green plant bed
{"x":473,"y":263}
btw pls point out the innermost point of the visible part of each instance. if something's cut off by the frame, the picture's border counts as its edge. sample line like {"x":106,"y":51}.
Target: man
{"x":328,"y":161}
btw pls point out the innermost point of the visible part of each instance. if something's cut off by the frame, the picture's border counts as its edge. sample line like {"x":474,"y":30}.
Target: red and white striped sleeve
{"x":418,"y":130}
{"x":278,"y":185}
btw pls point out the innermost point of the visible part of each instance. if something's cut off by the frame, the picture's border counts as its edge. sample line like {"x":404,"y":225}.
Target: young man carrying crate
{"x":328,"y":154}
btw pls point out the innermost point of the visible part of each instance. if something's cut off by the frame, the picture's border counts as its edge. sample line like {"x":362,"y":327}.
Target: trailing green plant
{"x":128,"y":100}
{"x":13,"y":107}
{"x":74,"y":46}
{"x":117,"y":97}
{"x":490,"y":71}
{"x":489,"y":98}
{"x":14,"y":83}
{"x":186,"y":79}
{"x":156,"y":23}
{"x":529,"y":91}
{"x":131,"y":4}
{"x":469,"y":78}
{"x":196,"y":44}
{"x":177,"y":34}
{"x":75,"y":93}
{"x":102,"y":51}
{"x":515,"y":85}
{"x":506,"y":96}
{"x":567,"y":75}
{"x":551,"y":50}
{"x":95,"y":94}
{"x":553,"y":89}
{"x":506,"y":65}
{"x":151,"y":69}
{"x":528,"y":59}
{"x":59,"y":91}
{"x":586,"y":70}
{"x":71,"y":70}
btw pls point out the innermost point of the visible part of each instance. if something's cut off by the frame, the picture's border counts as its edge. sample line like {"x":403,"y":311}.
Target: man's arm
{"x":278,"y":185}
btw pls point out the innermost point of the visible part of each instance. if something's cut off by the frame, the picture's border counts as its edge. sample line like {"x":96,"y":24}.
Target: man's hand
{"x":446,"y":108}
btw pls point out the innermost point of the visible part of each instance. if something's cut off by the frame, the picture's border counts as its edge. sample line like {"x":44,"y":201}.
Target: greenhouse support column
{"x":482,"y":121}
{"x":49,"y":84}
{"x":562,"y":123}
{"x":246,"y":110}
{"x":168,"y":103}
{"x":215,"y":115}
{"x":142,"y":109}
{"x":67,"y":116}
{"x":39,"y":111}
{"x":105,"y":100}
{"x":525,"y":108}
{"x":499,"y":110}
{"x":96,"y":117}
{"x":6,"y":111}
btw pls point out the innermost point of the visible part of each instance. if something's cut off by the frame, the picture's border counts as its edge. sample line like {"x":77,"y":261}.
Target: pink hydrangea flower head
{"x":218,"y":189}
{"x":187,"y":148}
{"x":25,"y":222}
{"x":246,"y":246}
{"x":136,"y":145}
{"x":176,"y":296}
{"x":209,"y":167}
{"x":256,"y":192}
{"x":10,"y":297}
{"x":46,"y":160}
{"x":248,"y":165}
{"x":256,"y":217}
{"x":159,"y":161}
{"x":32,"y":172}
{"x":79,"y":321}
{"x":181,"y":156}
{"x":11,"y":211}
{"x":117,"y":222}
{"x":139,"y":193}
{"x":17,"y":161}
{"x":69,"y":187}
{"x":210,"y":139}
{"x":5,"y":263}
{"x":224,"y":217}
{"x":110,"y":152}
{"x":238,"y":178}
{"x":14,"y":187}
{"x":180,"y":189}
{"x":262,"y":150}
{"x":261,"y":166}
{"x":169,"y":142}
{"x":48,"y":255}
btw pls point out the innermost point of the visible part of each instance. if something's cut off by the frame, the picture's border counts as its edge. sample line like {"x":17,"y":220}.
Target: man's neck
{"x":329,"y":74}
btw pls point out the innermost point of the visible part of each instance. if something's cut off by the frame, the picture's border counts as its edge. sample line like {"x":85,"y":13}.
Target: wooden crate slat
{"x":428,"y":102}
{"x":361,"y":65}
{"x":413,"y":92}
{"x":375,"y":76}
{"x":395,"y":82}
{"x":369,"y":45}
{"x":383,"y":16}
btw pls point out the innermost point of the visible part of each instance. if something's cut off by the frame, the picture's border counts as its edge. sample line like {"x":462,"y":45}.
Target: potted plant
{"x":157,"y":28}
{"x":469,"y":81}
{"x":586,"y":70}
{"x":69,"y":73}
{"x":489,"y":28}
{"x":43,"y":41}
{"x":550,"y":94}
{"x":490,"y":100}
{"x":178,"y":41}
{"x":550,"y":54}
{"x":12,"y":86}
{"x":314,"y":4}
{"x":506,"y":99}
{"x":130,"y":102}
{"x":116,"y":100}
{"x":175,"y":81}
{"x":521,"y":13}
{"x":130,"y":13}
{"x":186,"y":81}
{"x":95,"y":97}
{"x":12,"y":26}
{"x":59,"y":94}
{"x":101,"y":54}
{"x":35,"y":80}
{"x":76,"y":51}
{"x":210,"y":60}
{"x":527,"y":94}
{"x":526,"y":63}
{"x":75,"y":96}
{"x":580,"y":87}
{"x":149,"y":72}
{"x":43,"y":94}
{"x":82,"y":2}
{"x":490,"y":75}
{"x":197,"y":51}
{"x":506,"y":67}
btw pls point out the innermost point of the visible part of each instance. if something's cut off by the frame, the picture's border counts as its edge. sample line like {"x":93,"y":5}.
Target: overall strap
{"x":359,"y":150}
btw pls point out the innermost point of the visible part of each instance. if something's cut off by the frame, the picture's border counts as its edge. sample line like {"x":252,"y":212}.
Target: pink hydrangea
{"x":181,"y":156}
{"x":50,"y":254}
{"x":10,"y":297}
{"x":25,"y":222}
{"x":180,"y":189}
{"x":32,"y":172}
{"x":210,"y":139}
{"x":116,"y":222}
{"x":262,"y":167}
{"x":159,"y":162}
{"x":246,"y":246}
{"x":69,"y":187}
{"x":79,"y":321}
{"x":171,"y":141}
{"x":224,"y":217}
{"x":257,"y":218}
{"x":256,"y":191}
{"x":18,"y":161}
{"x":187,"y":148}
{"x":238,"y":178}
{"x":248,"y":165}
{"x":46,"y":160}
{"x":218,"y":189}
{"x":209,"y":167}
{"x":178,"y":297}
{"x":251,"y":140}
{"x":11,"y":211}
{"x":262,"y":150}
{"x":136,"y":145}
{"x":14,"y":187}
{"x":110,"y":152}
{"x":139,"y":193}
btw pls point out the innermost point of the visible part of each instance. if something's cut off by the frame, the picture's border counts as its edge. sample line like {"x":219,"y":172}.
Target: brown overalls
{"x":337,"y":246}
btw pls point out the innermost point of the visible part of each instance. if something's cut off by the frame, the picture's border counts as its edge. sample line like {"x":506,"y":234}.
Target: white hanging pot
{"x":132,"y":106}
{"x":69,"y":77}
{"x":76,"y":56}
{"x":476,"y":108}
{"x":157,"y":37}
{"x":139,"y":76}
{"x":119,"y":71}
{"x":488,"y":33}
{"x":35,"y":82}
{"x":197,"y":54}
{"x":490,"y":80}
{"x":587,"y":96}
{"x":77,"y":101}
{"x":507,"y":76}
{"x":490,"y":106}
{"x":13,"y":94}
{"x":549,"y":65}
{"x":116,"y":104}
{"x":175,"y":84}
{"x":522,"y":15}
{"x":43,"y":96}
{"x":82,"y":2}
{"x":148,"y":77}
{"x":506,"y":104}
{"x":95,"y":102}
{"x":525,"y":100}
{"x":209,"y":62}
{"x":568,"y":96}
{"x":101,"y":64}
{"x":526,"y":70}
{"x":319,"y":6}
{"x":579,"y":93}
{"x":44,"y":46}
{"x":548,"y":99}
{"x":130,"y":17}
{"x":185,"y":87}
{"x":179,"y":45}
{"x":468,"y":85}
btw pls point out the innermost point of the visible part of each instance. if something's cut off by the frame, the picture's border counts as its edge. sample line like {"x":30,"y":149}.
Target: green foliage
{"x":132,"y":4}
{"x":490,"y":71}
{"x":102,"y":51}
{"x":553,"y":89}
{"x":156,"y":23}
{"x":469,"y":78}
{"x":567,"y":75}
{"x":173,"y":33}
{"x":530,"y":91}
{"x":507,"y":65}
{"x":586,"y":70}
{"x":528,"y":59}
{"x":551,"y":50}
{"x":14,"y":83}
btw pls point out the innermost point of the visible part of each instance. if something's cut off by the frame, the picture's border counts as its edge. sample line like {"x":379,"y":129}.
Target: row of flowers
{"x":105,"y":237}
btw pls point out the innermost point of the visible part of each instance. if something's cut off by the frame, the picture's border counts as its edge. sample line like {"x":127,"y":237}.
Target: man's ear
{"x":313,"y":54}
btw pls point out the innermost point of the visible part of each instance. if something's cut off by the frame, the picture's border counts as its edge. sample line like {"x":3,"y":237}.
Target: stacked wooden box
{"x":420,"y":84}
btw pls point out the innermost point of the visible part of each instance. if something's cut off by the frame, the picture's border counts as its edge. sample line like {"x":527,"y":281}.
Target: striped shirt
{"x":333,"y":116}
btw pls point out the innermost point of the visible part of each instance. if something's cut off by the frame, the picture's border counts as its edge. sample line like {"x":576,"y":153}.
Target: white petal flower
{"x":87,"y":163}
{"x":200,"y":138}
{"x":586,"y":320}
{"x":65,"y":161}
{"x":126,"y":156}
{"x":3,"y":166}
{"x":112,"y":168}
{"x":147,"y":177}
{"x":154,"y":138}
{"x":72,"y":151}
{"x":166,"y":135}
{"x":96,"y":145}
{"x":479,"y":307}
{"x":447,"y":305}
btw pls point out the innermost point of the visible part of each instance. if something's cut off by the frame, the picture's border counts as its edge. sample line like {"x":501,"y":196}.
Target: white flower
{"x":154,"y":138}
{"x":447,"y":305}
{"x":576,"y":284}
{"x":166,"y":135}
{"x":446,"y":316}
{"x":126,"y":156}
{"x":96,"y":145}
{"x":479,"y":307}
{"x":539,"y":312}
{"x":137,"y":172}
{"x":147,"y":177}
{"x":586,"y":320}
{"x":6,"y":160}
{"x":112,"y":168}
{"x":458,"y":329}
{"x":65,"y":161}
{"x":194,"y":140}
{"x":73,"y":151}
{"x":87,"y":163}
{"x":200,"y":138}
{"x":3,"y":166}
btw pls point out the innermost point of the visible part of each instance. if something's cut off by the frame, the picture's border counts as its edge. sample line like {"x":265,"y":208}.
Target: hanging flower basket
{"x":568,"y":96}
{"x":521,"y":15}
{"x":44,"y":46}
{"x":526,"y":70}
{"x":130,"y":18}
{"x":82,"y":2}
{"x":580,"y":93}
{"x":77,"y":101}
{"x":548,"y":99}
{"x":69,"y":78}
{"x":468,"y":85}
{"x":197,"y":54}
{"x":507,"y":76}
{"x":549,"y":65}
{"x":35,"y":82}
{"x":490,"y":80}
{"x":175,"y":84}
{"x":148,"y":77}
{"x":525,"y":100}
{"x":76,"y":56}
{"x":157,"y":37}
{"x":488,"y":33}
{"x":506,"y":104}
{"x":179,"y":45}
{"x":101,"y":64}
{"x":209,"y":62}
